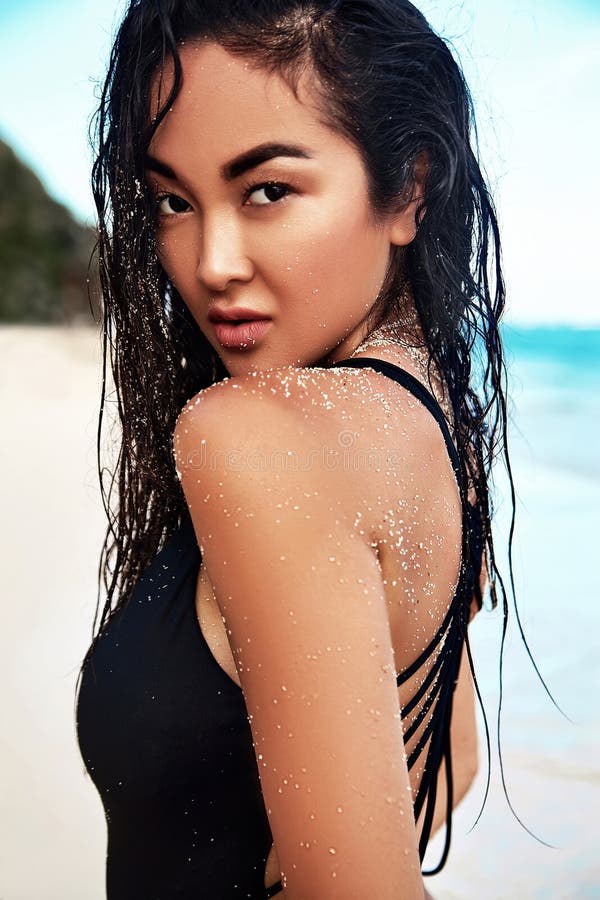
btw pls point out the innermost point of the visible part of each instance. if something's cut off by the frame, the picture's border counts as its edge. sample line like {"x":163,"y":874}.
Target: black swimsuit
{"x":165,"y":734}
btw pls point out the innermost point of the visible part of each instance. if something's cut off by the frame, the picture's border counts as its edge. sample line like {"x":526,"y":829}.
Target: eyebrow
{"x":240,"y":164}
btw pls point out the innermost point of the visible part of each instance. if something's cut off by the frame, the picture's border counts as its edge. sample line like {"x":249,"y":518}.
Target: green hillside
{"x":44,"y":252}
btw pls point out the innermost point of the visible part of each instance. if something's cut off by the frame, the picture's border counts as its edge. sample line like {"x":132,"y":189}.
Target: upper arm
{"x":303,"y":602}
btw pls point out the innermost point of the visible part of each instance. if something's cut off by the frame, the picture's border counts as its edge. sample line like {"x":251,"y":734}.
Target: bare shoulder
{"x":343,"y":407}
{"x":354,"y":431}
{"x":289,"y":390}
{"x":289,"y":428}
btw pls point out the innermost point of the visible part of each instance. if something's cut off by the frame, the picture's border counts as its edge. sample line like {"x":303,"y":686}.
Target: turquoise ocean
{"x":551,"y":759}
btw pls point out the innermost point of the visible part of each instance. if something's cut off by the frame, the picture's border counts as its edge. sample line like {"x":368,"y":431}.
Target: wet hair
{"x":391,"y":86}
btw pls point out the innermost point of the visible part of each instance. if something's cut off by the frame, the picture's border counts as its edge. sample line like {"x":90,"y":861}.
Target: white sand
{"x":52,"y":830}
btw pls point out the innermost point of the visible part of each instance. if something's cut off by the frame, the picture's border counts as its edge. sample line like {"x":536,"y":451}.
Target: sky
{"x":533,"y":67}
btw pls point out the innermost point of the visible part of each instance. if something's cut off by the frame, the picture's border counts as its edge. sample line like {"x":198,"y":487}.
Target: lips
{"x":237,"y":314}
{"x":241,"y":335}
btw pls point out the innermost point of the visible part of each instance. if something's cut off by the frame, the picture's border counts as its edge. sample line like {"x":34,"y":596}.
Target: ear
{"x":403,"y":228}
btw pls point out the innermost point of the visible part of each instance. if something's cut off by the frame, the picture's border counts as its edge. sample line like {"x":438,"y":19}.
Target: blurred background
{"x":534,"y":70}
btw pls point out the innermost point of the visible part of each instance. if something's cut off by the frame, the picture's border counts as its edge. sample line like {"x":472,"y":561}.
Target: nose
{"x":221,"y":255}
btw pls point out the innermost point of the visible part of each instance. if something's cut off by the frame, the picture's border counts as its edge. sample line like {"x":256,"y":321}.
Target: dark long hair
{"x":390,"y":85}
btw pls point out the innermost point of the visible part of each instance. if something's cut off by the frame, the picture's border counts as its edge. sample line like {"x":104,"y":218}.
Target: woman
{"x":302,"y":288}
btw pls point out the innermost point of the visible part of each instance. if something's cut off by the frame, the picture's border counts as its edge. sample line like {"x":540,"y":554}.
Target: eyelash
{"x":250,"y":187}
{"x":247,"y":190}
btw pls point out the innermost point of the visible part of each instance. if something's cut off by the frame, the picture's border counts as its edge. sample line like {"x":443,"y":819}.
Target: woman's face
{"x":285,"y":232}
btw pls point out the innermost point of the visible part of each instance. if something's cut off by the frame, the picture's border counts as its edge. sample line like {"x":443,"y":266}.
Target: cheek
{"x":326,"y":256}
{"x":175,"y":253}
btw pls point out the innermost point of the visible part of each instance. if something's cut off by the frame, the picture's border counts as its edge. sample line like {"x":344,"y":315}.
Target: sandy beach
{"x":52,"y":830}
{"x":52,"y":827}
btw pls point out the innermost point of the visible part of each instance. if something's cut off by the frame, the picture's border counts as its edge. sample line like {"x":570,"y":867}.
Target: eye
{"x":171,"y":205}
{"x":272,"y":192}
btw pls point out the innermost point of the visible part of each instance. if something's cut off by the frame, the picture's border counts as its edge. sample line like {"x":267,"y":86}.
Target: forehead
{"x":226,"y":101}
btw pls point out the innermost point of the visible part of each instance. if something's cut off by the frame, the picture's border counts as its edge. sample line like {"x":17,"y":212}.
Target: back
{"x":428,"y":606}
